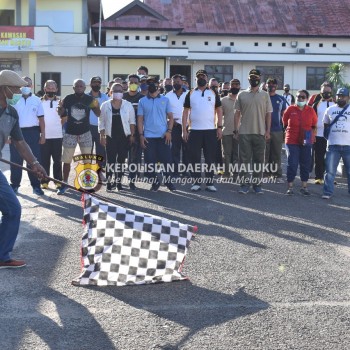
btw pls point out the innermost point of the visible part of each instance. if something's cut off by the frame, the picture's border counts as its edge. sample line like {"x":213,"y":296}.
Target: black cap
{"x":271,"y":80}
{"x":97,"y":78}
{"x":201,"y":72}
{"x":255,"y":72}
{"x":152,"y":80}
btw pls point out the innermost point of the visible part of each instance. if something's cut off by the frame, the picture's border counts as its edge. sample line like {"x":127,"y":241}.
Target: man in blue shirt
{"x":155,"y":124}
{"x":274,"y":144}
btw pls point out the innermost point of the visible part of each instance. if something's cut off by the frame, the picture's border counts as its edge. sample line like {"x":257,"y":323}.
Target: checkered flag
{"x":122,"y":246}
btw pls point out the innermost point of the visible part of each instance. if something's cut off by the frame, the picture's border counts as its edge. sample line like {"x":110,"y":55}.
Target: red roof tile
{"x":243,"y":17}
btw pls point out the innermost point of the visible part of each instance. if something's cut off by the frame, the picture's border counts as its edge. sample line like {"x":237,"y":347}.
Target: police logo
{"x":209,"y":98}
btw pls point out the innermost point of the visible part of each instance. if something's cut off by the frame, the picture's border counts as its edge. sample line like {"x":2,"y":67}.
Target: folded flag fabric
{"x":123,"y":247}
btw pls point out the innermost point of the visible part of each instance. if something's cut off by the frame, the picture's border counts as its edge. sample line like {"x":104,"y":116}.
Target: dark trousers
{"x":52,"y":148}
{"x":320,"y":148}
{"x":205,"y":140}
{"x":230,"y":150}
{"x":31,"y":136}
{"x":117,"y":151}
{"x":157,"y":151}
{"x":178,"y":145}
{"x":99,"y":149}
{"x":273,"y":153}
{"x":298,"y":155}
{"x":134,"y":157}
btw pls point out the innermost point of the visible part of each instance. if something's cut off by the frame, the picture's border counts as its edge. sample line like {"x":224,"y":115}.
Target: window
{"x":315,"y":76}
{"x":147,"y":37}
{"x":307,"y":44}
{"x":219,"y":43}
{"x":7,"y":17}
{"x":320,"y":45}
{"x":256,"y":44}
{"x":272,"y":72}
{"x":137,"y":37}
{"x":126,"y":37}
{"x":232,"y":43}
{"x":157,"y":37}
{"x":173,"y":43}
{"x":184,"y":43}
{"x":220,"y":72}
{"x":334,"y":45}
{"x":51,"y":76}
{"x":269,"y":44}
{"x":284,"y":44}
{"x":115,"y":37}
{"x":206,"y":43}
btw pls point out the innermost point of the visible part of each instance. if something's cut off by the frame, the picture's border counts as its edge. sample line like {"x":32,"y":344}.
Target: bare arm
{"x":185,"y":114}
{"x":219,"y":122}
{"x":42,"y":130}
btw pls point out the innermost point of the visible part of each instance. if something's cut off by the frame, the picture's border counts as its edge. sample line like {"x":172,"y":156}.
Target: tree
{"x":334,"y":75}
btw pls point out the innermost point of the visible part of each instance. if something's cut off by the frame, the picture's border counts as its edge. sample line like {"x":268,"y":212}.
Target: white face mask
{"x":117,"y":95}
{"x":301,"y":103}
{"x":26,"y":90}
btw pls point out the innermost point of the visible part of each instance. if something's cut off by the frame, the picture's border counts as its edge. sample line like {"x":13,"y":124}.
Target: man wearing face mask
{"x":52,"y":148}
{"x":229,"y":143}
{"x":176,"y":100}
{"x":274,"y":144}
{"x":32,"y":124}
{"x":320,"y":146}
{"x":202,"y":109}
{"x":167,"y":85}
{"x":75,"y":109}
{"x":155,"y":125}
{"x":10,"y":207}
{"x":95,"y":84}
{"x":290,"y":99}
{"x":338,"y":144}
{"x":135,"y":151}
{"x":252,"y":123}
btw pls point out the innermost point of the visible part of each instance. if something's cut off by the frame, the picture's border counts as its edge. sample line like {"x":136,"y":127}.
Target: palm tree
{"x":335,"y":74}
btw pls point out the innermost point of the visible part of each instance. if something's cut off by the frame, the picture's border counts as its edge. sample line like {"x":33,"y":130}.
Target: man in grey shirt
{"x":10,"y":83}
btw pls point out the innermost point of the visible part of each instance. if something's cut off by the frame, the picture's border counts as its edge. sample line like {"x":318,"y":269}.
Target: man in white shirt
{"x":338,"y":145}
{"x":32,"y":124}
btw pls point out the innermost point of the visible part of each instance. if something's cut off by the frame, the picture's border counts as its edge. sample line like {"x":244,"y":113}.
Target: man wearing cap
{"x":155,"y":125}
{"x":95,"y":84}
{"x":252,"y":123}
{"x":10,"y":83}
{"x":32,"y":124}
{"x":230,"y":144}
{"x":203,"y":112}
{"x":75,"y":111}
{"x":274,"y":144}
{"x":338,"y":144}
{"x":290,"y":99}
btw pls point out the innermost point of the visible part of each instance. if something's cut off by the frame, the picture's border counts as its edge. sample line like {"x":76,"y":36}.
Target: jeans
{"x":206,"y":140}
{"x":298,"y":155}
{"x":31,"y":136}
{"x":320,"y":148}
{"x":157,"y":151}
{"x":333,"y":155}
{"x":52,"y":148}
{"x":99,"y":149}
{"x":11,"y":216}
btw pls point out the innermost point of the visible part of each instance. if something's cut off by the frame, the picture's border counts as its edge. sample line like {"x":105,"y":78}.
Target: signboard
{"x":14,"y":65}
{"x":16,"y":38}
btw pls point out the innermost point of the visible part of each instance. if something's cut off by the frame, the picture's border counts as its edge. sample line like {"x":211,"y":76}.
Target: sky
{"x":112,"y":6}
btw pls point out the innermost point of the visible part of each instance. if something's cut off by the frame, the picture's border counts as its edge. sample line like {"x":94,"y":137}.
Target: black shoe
{"x":132,"y":186}
{"x":171,"y":187}
{"x":119,"y":187}
{"x":155,"y":187}
{"x":110,"y":187}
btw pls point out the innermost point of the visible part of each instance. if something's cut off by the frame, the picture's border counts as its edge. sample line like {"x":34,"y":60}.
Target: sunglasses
{"x":302,"y":97}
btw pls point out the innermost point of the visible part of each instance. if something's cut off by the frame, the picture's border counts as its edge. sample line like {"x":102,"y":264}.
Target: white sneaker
{"x":326,"y":196}
{"x":210,"y":188}
{"x":195,"y":188}
{"x":280,"y":180}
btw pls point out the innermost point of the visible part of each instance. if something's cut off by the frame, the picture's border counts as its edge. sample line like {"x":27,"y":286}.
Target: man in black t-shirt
{"x":135,"y":152}
{"x":75,"y":109}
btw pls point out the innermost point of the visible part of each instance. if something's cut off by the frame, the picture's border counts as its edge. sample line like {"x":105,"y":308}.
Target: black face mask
{"x":326,"y":95}
{"x":341,"y":103}
{"x":201,"y":82}
{"x":254,"y":82}
{"x":224,"y":92}
{"x":96,"y":88}
{"x":234,"y":91}
{"x":214,"y":88}
{"x":177,"y":87}
{"x":271,"y":88}
{"x":50,"y":94}
{"x":168,"y":88}
{"x":286,"y":91}
{"x":152,"y":88}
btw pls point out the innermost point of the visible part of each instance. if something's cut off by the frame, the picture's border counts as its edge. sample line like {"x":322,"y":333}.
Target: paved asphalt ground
{"x":266,"y":272}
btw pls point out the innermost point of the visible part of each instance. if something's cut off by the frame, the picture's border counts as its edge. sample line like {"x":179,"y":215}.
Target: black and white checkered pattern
{"x":122,"y":246}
